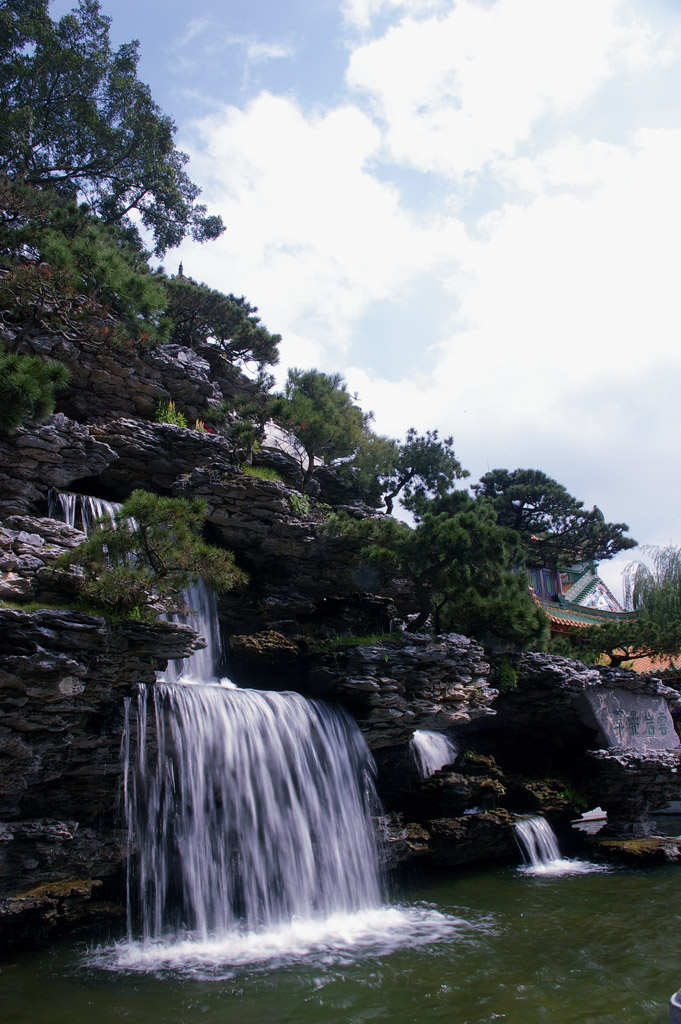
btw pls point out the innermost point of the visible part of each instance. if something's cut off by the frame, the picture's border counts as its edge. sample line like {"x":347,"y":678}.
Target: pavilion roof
{"x":562,"y":612}
{"x":588,"y":586}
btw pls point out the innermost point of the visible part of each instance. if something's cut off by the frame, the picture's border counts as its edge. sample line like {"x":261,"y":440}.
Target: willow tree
{"x":655,"y":591}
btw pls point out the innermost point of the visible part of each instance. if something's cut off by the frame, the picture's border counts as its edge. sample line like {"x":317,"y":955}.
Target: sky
{"x":470,"y":209}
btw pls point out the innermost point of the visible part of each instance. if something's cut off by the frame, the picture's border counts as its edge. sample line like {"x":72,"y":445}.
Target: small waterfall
{"x":62,"y":506}
{"x":87,"y":512}
{"x":248,"y":808}
{"x":538,"y":842}
{"x":202,"y":616}
{"x":431,"y":751}
{"x":81,"y":511}
{"x":95,"y":510}
{"x":541,"y":854}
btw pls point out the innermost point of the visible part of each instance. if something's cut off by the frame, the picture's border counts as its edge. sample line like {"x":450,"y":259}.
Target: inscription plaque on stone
{"x":631,"y":720}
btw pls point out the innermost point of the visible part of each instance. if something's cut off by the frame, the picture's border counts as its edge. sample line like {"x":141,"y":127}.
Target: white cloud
{"x":459,"y":89}
{"x":195,"y":27}
{"x":256,"y":50}
{"x":215,"y":39}
{"x":361,"y":13}
{"x":308,"y":225}
{"x":559,"y":345}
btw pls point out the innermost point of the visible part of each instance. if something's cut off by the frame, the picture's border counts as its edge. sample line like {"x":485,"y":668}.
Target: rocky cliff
{"x":64,"y":675}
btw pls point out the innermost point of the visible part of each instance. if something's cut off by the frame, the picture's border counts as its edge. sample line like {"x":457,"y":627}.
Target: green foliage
{"x":504,"y":675}
{"x":167,"y":413}
{"x":263,"y":473}
{"x":28,"y":387}
{"x":335,"y":643}
{"x":372,"y":463}
{"x":317,"y":408}
{"x":461,"y":569}
{"x":201,"y":314}
{"x":555,"y":528}
{"x":245,"y":414}
{"x":655,"y":595}
{"x":75,"y":118}
{"x":420,"y":467}
{"x":106,"y":263}
{"x":38,"y":606}
{"x":620,"y":642}
{"x":154,"y":553}
{"x":24,"y":211}
{"x":300,"y":503}
{"x":425,"y":467}
{"x":65,"y":271}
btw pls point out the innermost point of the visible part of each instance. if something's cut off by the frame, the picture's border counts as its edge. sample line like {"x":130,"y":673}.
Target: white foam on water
{"x":374,"y":932}
{"x":563,"y":866}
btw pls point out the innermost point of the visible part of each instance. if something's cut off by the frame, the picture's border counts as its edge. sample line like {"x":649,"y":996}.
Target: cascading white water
{"x":254,"y":808}
{"x":541,"y":853}
{"x":62,"y":505}
{"x":81,"y":510}
{"x":250,"y":816}
{"x":95,"y":510}
{"x":431,"y":751}
{"x":202,"y":615}
{"x":538,"y":841}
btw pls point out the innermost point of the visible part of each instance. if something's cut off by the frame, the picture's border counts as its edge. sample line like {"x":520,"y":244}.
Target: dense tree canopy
{"x":461,"y":567}
{"x":75,"y":118}
{"x":555,"y":528}
{"x":321,"y":414}
{"x":420,"y":467}
{"x":200,"y":313}
{"x":63,"y":269}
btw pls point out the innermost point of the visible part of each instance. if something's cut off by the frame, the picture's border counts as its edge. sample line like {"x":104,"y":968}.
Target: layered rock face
{"x":413,"y":682}
{"x":63,"y":679}
{"x":608,"y":732}
{"x":107,"y":384}
{"x":64,"y":675}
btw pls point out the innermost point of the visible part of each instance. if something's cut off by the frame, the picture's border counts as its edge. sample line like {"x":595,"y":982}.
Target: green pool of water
{"x":592,"y":948}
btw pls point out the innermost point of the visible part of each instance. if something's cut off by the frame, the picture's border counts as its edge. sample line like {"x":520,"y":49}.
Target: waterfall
{"x":201,"y":607}
{"x":431,"y":751}
{"x":541,"y":854}
{"x":92,"y":510}
{"x":248,"y":809}
{"x":61,"y":505}
{"x":71,"y":508}
{"x":202,"y":615}
{"x":538,"y":842}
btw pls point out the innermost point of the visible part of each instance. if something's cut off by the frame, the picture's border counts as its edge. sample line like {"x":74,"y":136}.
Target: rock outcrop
{"x":566,"y":729}
{"x":63,"y":677}
{"x":52,"y":455}
{"x":409,"y":682}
